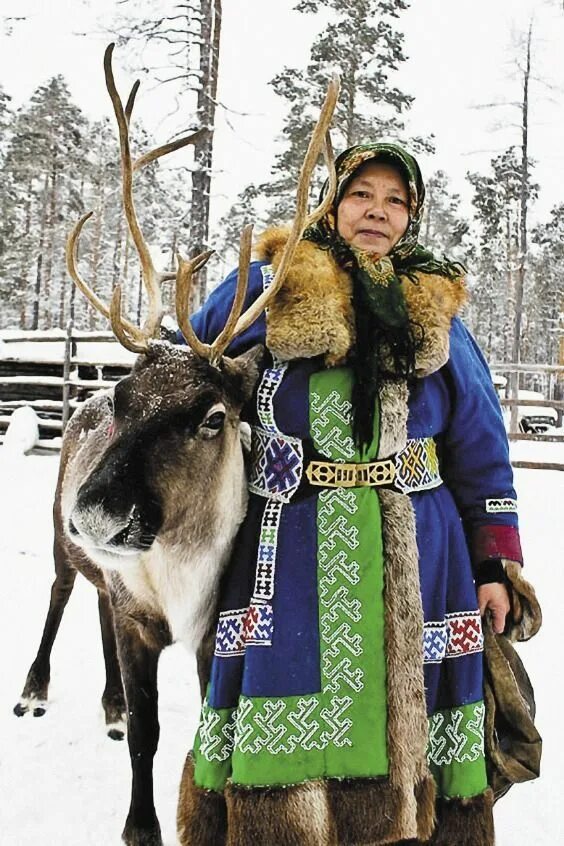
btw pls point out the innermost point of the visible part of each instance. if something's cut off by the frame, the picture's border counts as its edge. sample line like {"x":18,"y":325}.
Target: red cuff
{"x":496,"y":542}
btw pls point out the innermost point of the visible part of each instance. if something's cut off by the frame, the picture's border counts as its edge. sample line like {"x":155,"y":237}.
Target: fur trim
{"x":425,"y":793}
{"x":335,"y":812}
{"x":465,"y":822}
{"x":201,"y":818}
{"x":393,"y":417}
{"x":407,"y":717}
{"x":432,"y":302}
{"x":365,"y":810}
{"x":293,"y":816}
{"x":312,"y":314}
{"x":461,"y":822}
{"x":407,"y":714}
{"x":526,"y":616}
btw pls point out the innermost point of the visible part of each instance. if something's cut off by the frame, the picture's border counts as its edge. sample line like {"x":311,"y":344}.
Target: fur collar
{"x":312,"y":314}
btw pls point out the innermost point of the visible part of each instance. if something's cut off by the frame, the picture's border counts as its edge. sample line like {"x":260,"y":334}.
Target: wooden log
{"x":540,"y":403}
{"x":37,"y":404}
{"x":40,"y":337}
{"x":538,"y":465}
{"x":529,"y":436}
{"x":48,"y":425}
{"x":527,"y":368}
{"x":58,"y":381}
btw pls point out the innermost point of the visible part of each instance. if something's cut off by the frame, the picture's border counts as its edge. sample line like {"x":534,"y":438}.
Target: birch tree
{"x":187,"y":37}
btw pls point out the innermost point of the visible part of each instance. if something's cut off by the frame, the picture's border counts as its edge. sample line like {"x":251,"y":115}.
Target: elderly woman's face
{"x":374,"y":211}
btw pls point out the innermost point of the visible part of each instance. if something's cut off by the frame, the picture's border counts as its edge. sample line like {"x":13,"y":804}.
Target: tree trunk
{"x":25,"y":263}
{"x":50,"y":239}
{"x":210,"y":11}
{"x":521,"y":269}
{"x":39,"y":264}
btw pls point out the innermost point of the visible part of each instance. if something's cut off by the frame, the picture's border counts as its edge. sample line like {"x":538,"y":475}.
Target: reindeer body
{"x":150,"y":494}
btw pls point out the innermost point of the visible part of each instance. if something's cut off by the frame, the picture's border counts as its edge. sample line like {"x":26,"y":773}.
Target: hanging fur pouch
{"x":513,"y":744}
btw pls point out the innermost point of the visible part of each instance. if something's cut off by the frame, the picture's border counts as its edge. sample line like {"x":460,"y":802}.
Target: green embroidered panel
{"x":330,"y":417}
{"x":213,"y":747}
{"x":456,"y":750}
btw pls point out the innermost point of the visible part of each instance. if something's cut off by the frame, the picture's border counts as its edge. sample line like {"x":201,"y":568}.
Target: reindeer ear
{"x":247,"y":366}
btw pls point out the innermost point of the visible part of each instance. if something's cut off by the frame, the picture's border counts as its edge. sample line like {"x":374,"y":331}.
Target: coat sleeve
{"x":210,"y":319}
{"x":475,"y":459}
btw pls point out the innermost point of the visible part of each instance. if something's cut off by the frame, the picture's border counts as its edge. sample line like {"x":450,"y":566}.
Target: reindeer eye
{"x":213,"y":423}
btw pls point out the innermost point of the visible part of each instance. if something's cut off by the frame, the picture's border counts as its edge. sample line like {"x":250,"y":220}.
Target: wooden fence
{"x":54,"y":383}
{"x":515,"y":403}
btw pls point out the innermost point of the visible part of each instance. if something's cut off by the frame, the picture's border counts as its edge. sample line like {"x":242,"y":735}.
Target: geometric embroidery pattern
{"x":458,"y":634}
{"x":501,"y":506}
{"x":276,"y":465}
{"x":269,"y":384}
{"x":216,"y":741}
{"x":252,"y":626}
{"x":266,"y":558}
{"x":341,"y":646}
{"x":417,"y":466}
{"x":258,"y":625}
{"x":434,"y":642}
{"x":456,"y":736}
{"x":464,"y":633}
{"x":271,"y":378}
{"x":274,"y":726}
{"x":332,"y":413}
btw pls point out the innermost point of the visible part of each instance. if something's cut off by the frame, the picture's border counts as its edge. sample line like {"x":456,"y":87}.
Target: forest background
{"x":474,"y":88}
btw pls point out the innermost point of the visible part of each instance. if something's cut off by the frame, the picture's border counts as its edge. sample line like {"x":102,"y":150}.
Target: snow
{"x":22,"y":433}
{"x":49,"y":346}
{"x":62,"y":781}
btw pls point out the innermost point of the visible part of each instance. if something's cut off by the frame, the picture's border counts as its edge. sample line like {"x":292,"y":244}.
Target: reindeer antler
{"x":237,"y":323}
{"x":319,"y":141}
{"x":137,"y":340}
{"x":186,"y":269}
{"x":133,"y":338}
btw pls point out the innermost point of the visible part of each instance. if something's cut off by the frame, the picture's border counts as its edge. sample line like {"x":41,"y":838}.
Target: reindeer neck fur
{"x":177,"y":579}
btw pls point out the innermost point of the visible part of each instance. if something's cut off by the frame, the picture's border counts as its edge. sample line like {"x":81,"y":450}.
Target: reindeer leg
{"x":113,"y":698}
{"x":34,"y":695}
{"x":138,"y":661}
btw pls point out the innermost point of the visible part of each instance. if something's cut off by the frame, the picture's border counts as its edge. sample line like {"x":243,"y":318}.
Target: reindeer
{"x":151,"y":487}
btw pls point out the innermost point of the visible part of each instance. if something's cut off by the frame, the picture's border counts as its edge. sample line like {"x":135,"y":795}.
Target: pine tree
{"x":43,"y":159}
{"x":545,"y":311}
{"x":444,"y":230}
{"x":362,"y":43}
{"x":495,"y":260}
{"x":6,"y":192}
{"x":56,"y":167}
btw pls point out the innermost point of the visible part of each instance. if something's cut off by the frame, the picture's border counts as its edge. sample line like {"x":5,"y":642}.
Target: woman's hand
{"x":494,"y":597}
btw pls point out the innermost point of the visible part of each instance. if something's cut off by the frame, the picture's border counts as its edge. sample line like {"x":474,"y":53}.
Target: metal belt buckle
{"x":330,"y":474}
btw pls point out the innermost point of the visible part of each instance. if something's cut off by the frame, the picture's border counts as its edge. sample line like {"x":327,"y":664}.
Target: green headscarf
{"x":386,"y":338}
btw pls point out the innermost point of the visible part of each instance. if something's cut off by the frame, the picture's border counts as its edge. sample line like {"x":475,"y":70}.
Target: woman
{"x":345,"y":702}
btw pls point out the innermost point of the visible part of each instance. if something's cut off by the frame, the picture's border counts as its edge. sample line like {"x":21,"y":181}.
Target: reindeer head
{"x":170,"y":438}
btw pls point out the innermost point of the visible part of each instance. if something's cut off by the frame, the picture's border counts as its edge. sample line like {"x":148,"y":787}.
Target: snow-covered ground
{"x":64,"y":783}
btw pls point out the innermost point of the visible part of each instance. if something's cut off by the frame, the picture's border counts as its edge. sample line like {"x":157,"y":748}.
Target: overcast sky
{"x":462,"y":55}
